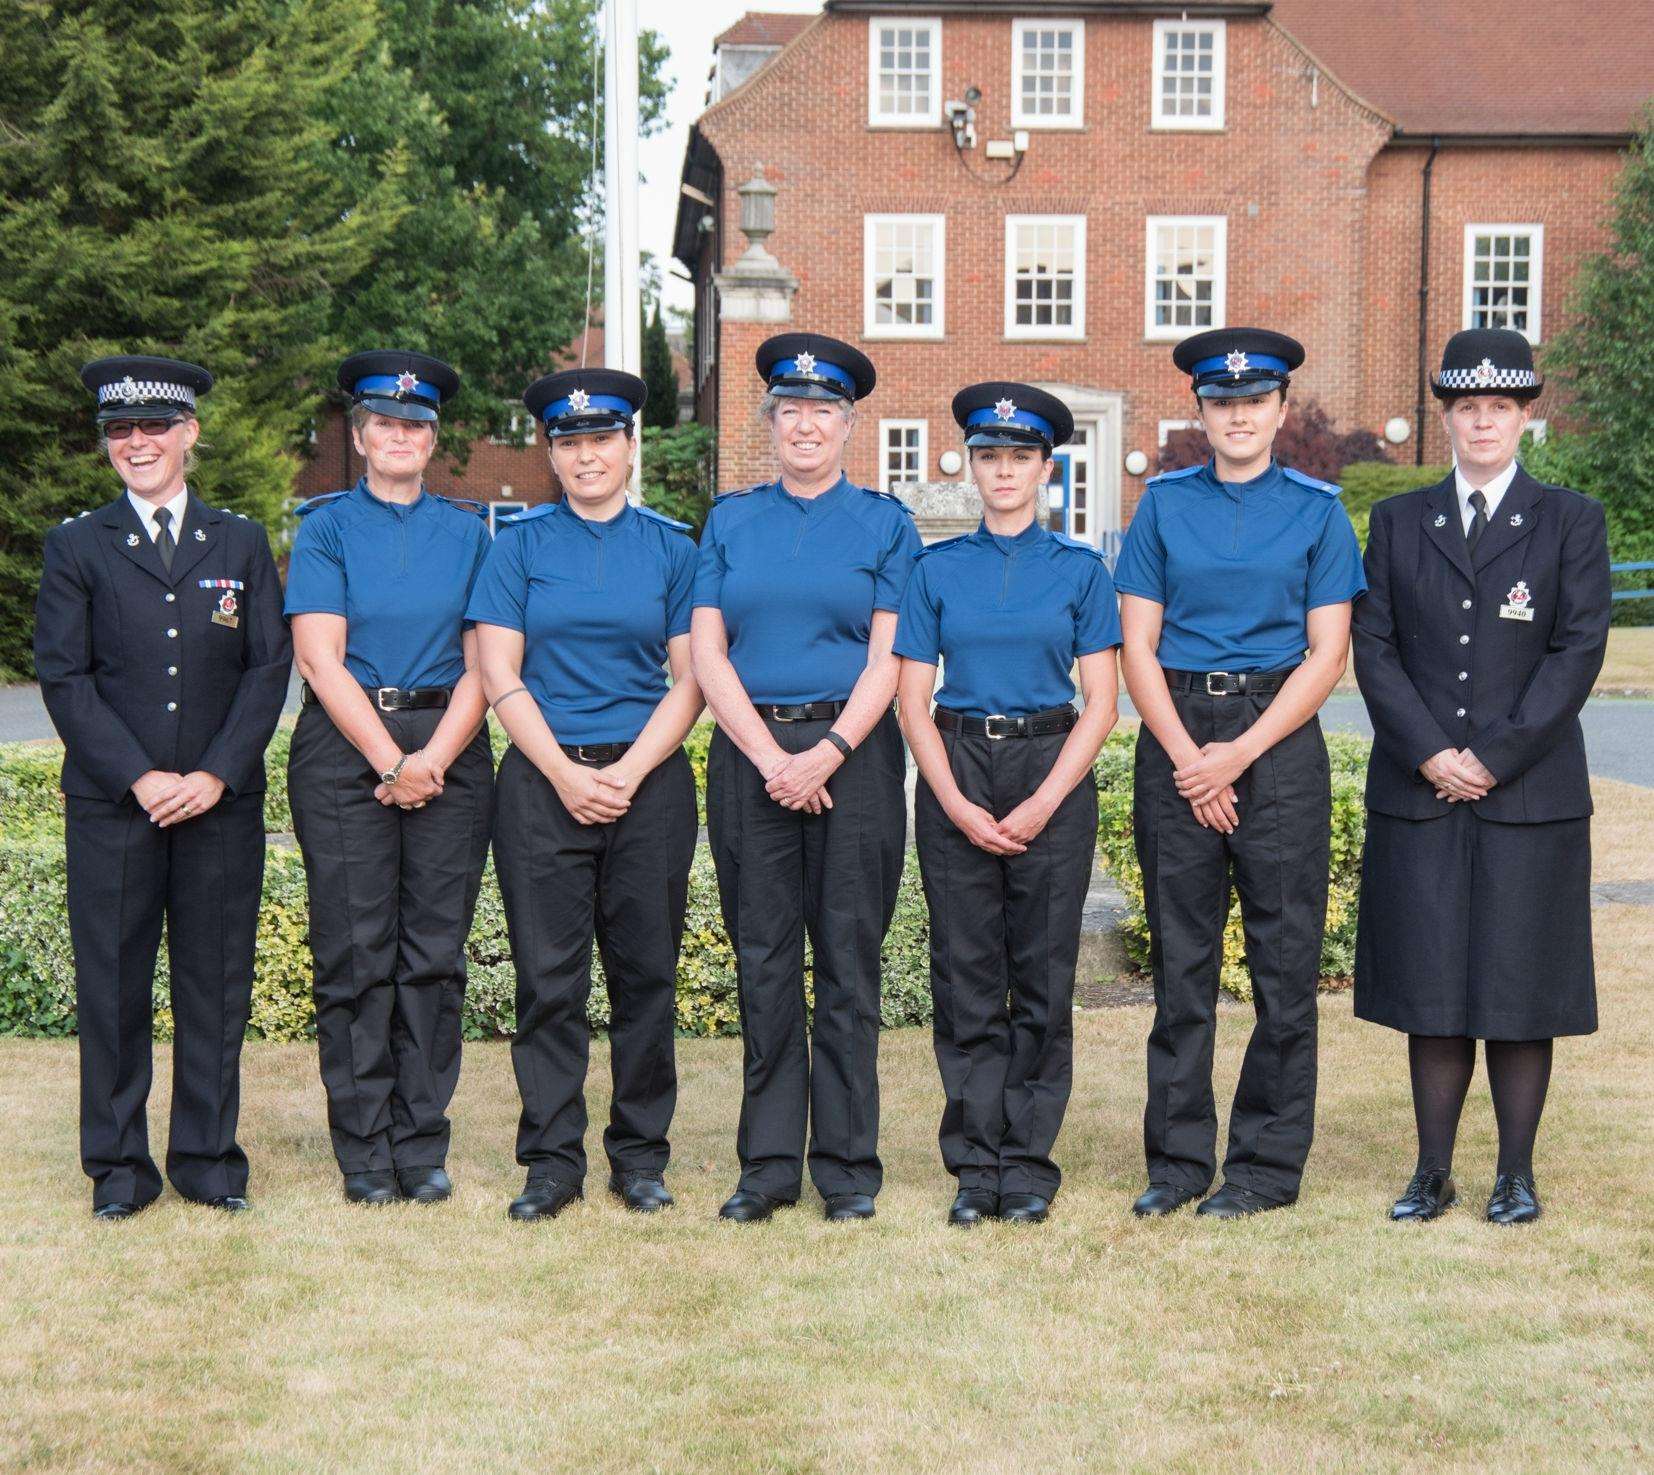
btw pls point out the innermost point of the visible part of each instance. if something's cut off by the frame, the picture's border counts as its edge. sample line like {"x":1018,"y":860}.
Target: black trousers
{"x":392,"y":892}
{"x":627,"y":885}
{"x":783,"y":873}
{"x":203,"y":879}
{"x":1004,"y":938}
{"x":1278,"y":857}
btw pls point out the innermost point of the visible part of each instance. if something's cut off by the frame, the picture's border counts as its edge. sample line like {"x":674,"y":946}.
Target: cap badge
{"x":1484,"y":372}
{"x":1237,"y":362}
{"x":1005,"y":408}
{"x":131,"y":540}
{"x":805,"y":363}
{"x":407,"y":382}
{"x":226,"y":603}
{"x":580,"y":401}
{"x":1516,"y":519}
{"x":200,"y":537}
{"x":1441,"y":519}
{"x":128,"y":392}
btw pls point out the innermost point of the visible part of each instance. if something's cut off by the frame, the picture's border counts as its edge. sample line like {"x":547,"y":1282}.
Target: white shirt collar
{"x":1494,"y":491}
{"x":146,"y":514}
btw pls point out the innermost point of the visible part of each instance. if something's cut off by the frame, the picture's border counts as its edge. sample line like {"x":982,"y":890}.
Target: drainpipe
{"x":1424,"y":300}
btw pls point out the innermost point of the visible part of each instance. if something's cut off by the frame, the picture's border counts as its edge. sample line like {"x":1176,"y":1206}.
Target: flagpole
{"x":622,"y":263}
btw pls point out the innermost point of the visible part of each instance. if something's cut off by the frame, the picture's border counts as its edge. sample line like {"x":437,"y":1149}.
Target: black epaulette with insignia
{"x":527,"y":514}
{"x":1313,"y":482}
{"x":1177,"y":475}
{"x":1079,"y":544}
{"x":465,"y":504}
{"x":671,"y":522}
{"x":310,"y":504}
{"x":941,"y":543}
{"x":889,"y":497}
{"x":757,"y":486}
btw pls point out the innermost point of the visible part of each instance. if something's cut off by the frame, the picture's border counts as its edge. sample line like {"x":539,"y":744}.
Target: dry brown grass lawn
{"x":312,"y":1336}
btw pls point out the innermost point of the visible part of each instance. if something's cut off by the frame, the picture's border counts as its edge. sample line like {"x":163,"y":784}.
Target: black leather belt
{"x":594,"y":752}
{"x":1228,"y":683}
{"x":809,"y":712}
{"x":390,"y":698}
{"x":1035,"y":724}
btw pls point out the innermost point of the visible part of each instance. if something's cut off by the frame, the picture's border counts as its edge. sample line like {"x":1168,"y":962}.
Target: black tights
{"x":1518,"y":1072}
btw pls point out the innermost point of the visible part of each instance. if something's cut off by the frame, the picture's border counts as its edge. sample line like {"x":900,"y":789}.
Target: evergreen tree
{"x":662,"y":406}
{"x":168,"y":188}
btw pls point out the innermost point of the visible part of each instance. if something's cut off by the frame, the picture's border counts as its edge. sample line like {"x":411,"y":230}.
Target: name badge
{"x":1518,"y":603}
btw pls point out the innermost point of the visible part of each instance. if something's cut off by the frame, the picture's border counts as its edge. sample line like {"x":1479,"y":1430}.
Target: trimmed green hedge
{"x":1366,"y":482}
{"x":37,"y":971}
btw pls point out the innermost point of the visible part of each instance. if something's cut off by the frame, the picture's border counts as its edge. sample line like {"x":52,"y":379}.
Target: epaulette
{"x":941,"y":543}
{"x":739,"y":491}
{"x":76,"y":516}
{"x":465,"y":504}
{"x":1313,"y":482}
{"x":1083,"y":547}
{"x":671,"y":522}
{"x":1177,"y":475}
{"x":889,"y":497}
{"x":540,"y":509}
{"x":310,"y":504}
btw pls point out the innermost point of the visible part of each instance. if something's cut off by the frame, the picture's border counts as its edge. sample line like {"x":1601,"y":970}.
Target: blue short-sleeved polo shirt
{"x":797,"y":580}
{"x":399,"y":574}
{"x":1008,"y":617}
{"x":596,"y":603}
{"x":1238,"y":565}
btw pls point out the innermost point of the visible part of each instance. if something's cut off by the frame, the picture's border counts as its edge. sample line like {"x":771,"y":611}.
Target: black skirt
{"x":1473,"y":928}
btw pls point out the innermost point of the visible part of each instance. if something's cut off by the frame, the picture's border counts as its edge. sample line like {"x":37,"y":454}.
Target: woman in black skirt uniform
{"x":1483,"y":629}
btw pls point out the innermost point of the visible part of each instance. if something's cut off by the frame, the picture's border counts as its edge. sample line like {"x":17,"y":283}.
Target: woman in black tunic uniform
{"x":1483,"y":629}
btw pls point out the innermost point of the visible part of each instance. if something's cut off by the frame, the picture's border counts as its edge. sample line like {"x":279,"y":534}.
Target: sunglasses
{"x":154,"y":429}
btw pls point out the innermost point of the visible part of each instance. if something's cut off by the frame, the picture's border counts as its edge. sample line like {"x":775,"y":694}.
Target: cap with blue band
{"x":398,"y":384}
{"x":1238,"y":363}
{"x":1016,"y":418}
{"x":1242,"y":363}
{"x":592,"y":404}
{"x":811,"y":368}
{"x":394,"y":386}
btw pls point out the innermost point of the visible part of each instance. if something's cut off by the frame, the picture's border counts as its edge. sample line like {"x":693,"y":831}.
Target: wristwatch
{"x":391,"y":775}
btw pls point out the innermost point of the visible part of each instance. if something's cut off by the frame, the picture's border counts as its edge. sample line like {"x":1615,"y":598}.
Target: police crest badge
{"x":1518,"y":603}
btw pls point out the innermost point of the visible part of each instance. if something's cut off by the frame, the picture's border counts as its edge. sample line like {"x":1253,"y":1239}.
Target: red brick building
{"x":1367,"y":176}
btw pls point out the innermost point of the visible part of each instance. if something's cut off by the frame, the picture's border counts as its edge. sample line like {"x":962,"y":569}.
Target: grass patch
{"x":314,"y":1336}
{"x":1627,"y":669}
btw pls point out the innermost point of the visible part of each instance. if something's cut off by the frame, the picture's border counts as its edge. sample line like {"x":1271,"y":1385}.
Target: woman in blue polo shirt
{"x":390,"y":780}
{"x":1006,"y":811}
{"x":1237,"y":579}
{"x":581,"y":606}
{"x":796,"y":596}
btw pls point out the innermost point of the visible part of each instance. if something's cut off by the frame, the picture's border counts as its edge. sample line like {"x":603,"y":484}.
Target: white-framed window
{"x":1045,"y":276}
{"x":519,"y":431}
{"x":1504,"y":274}
{"x":904,"y":452}
{"x":904,"y":262}
{"x":502,"y":507}
{"x":1187,"y":275}
{"x":1169,"y":428}
{"x":1047,"y":74}
{"x":904,"y":71}
{"x":1536,"y":431}
{"x":1188,"y":74}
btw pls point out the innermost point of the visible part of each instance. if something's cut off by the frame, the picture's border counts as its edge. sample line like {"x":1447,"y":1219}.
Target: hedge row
{"x":37,"y":974}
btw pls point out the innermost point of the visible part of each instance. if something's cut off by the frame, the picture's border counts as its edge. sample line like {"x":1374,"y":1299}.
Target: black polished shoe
{"x":424,"y":1185}
{"x":378,"y":1187}
{"x":1515,"y":1200}
{"x":543,"y":1198}
{"x":642,"y":1193}
{"x":113,"y":1213}
{"x":1234,"y":1202}
{"x":1160,"y":1199}
{"x":747,"y":1206}
{"x":972,"y":1206}
{"x":837,"y":1208}
{"x":1430,"y":1194}
{"x":230,"y":1203}
{"x":1023,"y":1208}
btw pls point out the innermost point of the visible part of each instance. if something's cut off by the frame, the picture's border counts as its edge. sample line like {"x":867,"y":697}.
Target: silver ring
{"x":186,"y":809}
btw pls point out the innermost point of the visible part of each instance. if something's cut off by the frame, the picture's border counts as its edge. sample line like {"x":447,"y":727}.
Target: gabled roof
{"x":1517,"y":68}
{"x":763,"y":28}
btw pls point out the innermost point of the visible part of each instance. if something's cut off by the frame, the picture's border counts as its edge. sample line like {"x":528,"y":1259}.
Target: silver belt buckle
{"x":581,"y":753}
{"x":1220,"y":677}
{"x":384,"y":691}
{"x":775,"y":714}
{"x":988,"y":730}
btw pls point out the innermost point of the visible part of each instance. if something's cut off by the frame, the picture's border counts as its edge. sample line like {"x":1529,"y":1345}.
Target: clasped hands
{"x":419,"y":782}
{"x":1458,"y":775}
{"x":1206,"y":779}
{"x":170,"y":798}
{"x":1009,"y":836}
{"x":799,"y":780}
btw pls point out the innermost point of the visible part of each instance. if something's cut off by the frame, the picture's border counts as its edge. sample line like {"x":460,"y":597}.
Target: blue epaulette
{"x":941,"y":543}
{"x":465,"y":504}
{"x":538,"y":510}
{"x":1177,"y":475}
{"x":310,"y":504}
{"x":1083,"y":547}
{"x":1313,"y":482}
{"x":671,"y":522}
{"x":889,"y":497}
{"x":757,"y":486}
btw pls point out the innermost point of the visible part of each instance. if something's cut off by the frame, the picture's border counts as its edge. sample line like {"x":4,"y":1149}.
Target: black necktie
{"x":166,"y":546}
{"x":1478,"y":523}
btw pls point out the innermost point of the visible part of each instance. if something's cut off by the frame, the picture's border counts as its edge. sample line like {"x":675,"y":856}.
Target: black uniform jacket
{"x":1512,"y":691}
{"x":135,"y":671}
